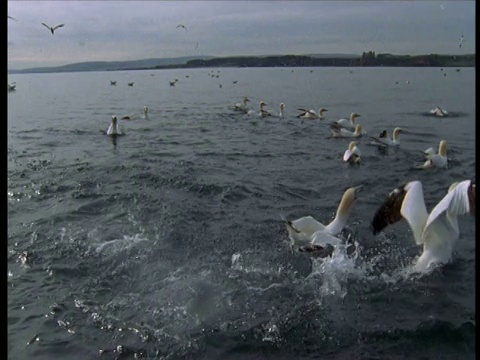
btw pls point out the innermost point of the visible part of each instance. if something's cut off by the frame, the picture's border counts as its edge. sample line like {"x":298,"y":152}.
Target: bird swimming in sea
{"x":438,"y":160}
{"x":352,"y":154}
{"x":264,"y":113}
{"x":114,"y":129}
{"x":52,"y":29}
{"x":384,"y":141}
{"x":312,"y":236}
{"x":349,"y":124}
{"x":181,"y":26}
{"x":338,"y":131}
{"x":242,"y":106}
{"x":279,"y":114}
{"x":311,"y":114}
{"x":145,"y":112}
{"x":438,"y":231}
{"x":438,"y":111}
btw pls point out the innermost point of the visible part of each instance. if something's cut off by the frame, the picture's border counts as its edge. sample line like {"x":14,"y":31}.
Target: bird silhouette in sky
{"x":52,"y":29}
{"x":181,"y":26}
{"x":12,"y":18}
{"x":461,"y":41}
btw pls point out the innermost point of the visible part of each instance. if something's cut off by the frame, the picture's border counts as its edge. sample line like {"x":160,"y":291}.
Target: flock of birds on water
{"x":437,"y":231}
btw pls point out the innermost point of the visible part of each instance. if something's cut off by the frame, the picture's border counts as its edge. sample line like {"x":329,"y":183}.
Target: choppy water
{"x":169,"y":240}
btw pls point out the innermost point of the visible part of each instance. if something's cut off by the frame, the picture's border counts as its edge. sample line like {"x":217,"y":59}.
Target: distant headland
{"x":338,"y":60}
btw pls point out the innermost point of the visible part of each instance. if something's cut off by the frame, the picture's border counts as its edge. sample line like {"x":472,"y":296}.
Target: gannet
{"x":242,"y":106}
{"x":311,"y":114}
{"x":52,"y":29}
{"x":438,"y":111}
{"x":308,"y":232}
{"x":435,"y":160}
{"x":437,"y":231}
{"x":114,"y":129}
{"x":349,"y":124}
{"x":281,"y":109}
{"x":383,"y":139}
{"x":340,"y":132}
{"x":352,"y":154}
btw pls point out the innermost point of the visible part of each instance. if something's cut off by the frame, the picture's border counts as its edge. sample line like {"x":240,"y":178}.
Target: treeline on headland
{"x":367,"y":59}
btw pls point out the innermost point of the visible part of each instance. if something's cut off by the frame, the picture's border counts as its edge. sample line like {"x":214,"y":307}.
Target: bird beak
{"x":357,"y":189}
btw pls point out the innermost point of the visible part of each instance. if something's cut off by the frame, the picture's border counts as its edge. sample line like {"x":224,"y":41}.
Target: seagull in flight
{"x":181,"y":26}
{"x":52,"y":29}
{"x":461,"y":41}
{"x":12,"y":18}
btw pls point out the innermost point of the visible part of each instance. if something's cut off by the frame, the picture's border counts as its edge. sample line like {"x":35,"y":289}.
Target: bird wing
{"x":405,"y":202}
{"x":321,"y":238}
{"x":458,"y":201}
{"x":347,"y":155}
{"x":48,"y":27}
{"x":307,"y":225}
{"x":58,"y":26}
{"x":414,"y":211}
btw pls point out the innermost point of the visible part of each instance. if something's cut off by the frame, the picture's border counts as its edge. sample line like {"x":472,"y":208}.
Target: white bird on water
{"x":349,"y":124}
{"x":340,"y":132}
{"x":145,"y":112}
{"x":438,"y":231}
{"x":52,"y":29}
{"x":439,"y":159}
{"x":352,"y":154}
{"x":315,"y":236}
{"x":438,"y":111}
{"x":311,"y":114}
{"x":384,"y":141}
{"x":243,"y":106}
{"x":114,"y":129}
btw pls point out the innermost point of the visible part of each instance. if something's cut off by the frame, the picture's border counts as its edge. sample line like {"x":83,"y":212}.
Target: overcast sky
{"x":133,"y":30}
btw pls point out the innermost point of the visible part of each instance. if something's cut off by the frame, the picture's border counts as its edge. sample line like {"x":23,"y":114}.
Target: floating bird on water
{"x":438,"y":231}
{"x":352,"y":154}
{"x":438,"y":111}
{"x":311,"y":114}
{"x":52,"y":29}
{"x":242,"y":106}
{"x":383,"y":140}
{"x":114,"y":129}
{"x":349,"y":124}
{"x":315,"y":236}
{"x":435,"y":159}
{"x":340,"y":132}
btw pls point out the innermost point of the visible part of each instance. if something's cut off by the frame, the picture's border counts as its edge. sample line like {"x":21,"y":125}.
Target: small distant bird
{"x":52,"y":29}
{"x":12,"y":18}
{"x":130,"y":83}
{"x":461,"y":41}
{"x":113,"y":82}
{"x":181,"y":26}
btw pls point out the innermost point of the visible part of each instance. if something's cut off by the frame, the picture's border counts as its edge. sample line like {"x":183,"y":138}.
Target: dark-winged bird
{"x":52,"y":29}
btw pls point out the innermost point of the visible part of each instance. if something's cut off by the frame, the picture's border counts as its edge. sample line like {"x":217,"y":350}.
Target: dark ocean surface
{"x":168,"y":242}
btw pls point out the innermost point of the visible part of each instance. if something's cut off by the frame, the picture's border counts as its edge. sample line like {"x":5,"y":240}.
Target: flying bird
{"x":181,"y":26}
{"x":461,"y":41}
{"x":12,"y":18}
{"x":52,"y":29}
